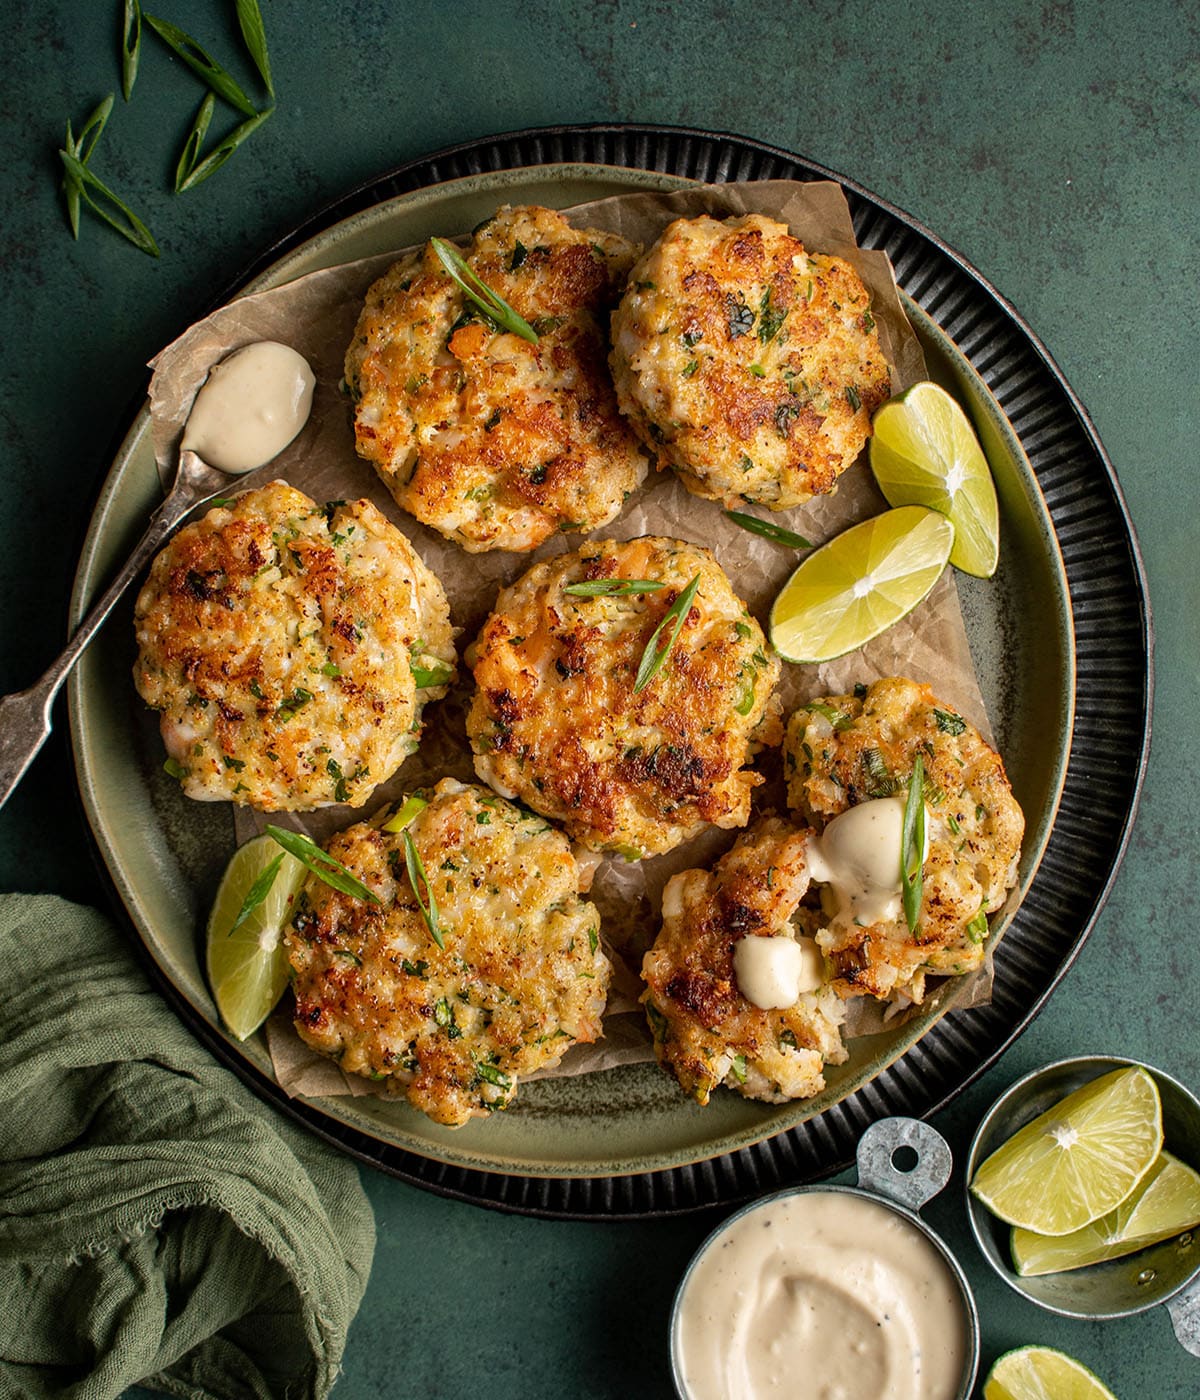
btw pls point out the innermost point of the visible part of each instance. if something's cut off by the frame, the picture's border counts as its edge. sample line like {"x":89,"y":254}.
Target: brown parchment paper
{"x":316,"y":315}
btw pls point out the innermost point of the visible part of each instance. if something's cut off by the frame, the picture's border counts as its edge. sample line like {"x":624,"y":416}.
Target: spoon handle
{"x":25,"y":716}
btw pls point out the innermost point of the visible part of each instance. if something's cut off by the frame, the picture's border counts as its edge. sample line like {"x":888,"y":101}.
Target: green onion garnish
{"x":324,"y":866}
{"x":426,"y":677}
{"x":417,"y":878}
{"x":490,"y":303}
{"x":254,"y":35}
{"x":775,"y":533}
{"x":92,"y":190}
{"x":220,"y":153}
{"x":131,"y":46}
{"x":202,"y":63}
{"x":613,"y":587}
{"x":82,"y":149}
{"x":658,"y":648}
{"x":195,"y":139}
{"x":404,"y":814}
{"x":912,"y":845}
{"x":257,"y":892}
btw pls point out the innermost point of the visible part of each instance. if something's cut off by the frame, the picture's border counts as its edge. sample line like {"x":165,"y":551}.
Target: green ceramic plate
{"x":165,"y":854}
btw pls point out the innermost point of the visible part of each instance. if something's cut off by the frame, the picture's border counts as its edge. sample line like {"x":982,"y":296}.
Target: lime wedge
{"x":247,"y":965}
{"x":860,"y":583}
{"x":1041,"y":1373}
{"x":1079,"y":1159}
{"x":924,"y":452}
{"x":1164,"y":1203}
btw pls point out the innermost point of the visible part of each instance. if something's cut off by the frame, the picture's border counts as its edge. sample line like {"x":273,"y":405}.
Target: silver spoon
{"x":249,"y":409}
{"x":25,"y":716}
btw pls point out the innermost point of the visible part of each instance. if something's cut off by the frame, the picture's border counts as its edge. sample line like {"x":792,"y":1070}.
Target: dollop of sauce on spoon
{"x":250,"y":407}
{"x":821,"y":1294}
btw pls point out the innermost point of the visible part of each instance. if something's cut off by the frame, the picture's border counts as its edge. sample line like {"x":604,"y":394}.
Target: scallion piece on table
{"x":659,"y":646}
{"x":81,"y":148}
{"x":202,"y":63}
{"x":131,"y":46}
{"x":490,"y":303}
{"x":254,"y":35}
{"x":220,"y":153}
{"x":195,"y":140}
{"x":93,"y":190}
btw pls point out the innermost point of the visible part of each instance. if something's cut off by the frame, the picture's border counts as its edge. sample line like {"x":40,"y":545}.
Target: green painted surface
{"x":1054,"y":145}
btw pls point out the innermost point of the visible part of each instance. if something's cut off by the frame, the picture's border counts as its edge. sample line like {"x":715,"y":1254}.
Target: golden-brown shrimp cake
{"x":291,"y":649}
{"x":844,"y":750}
{"x":706,"y":1028}
{"x":556,"y":721}
{"x":520,"y":979}
{"x":494,"y":441}
{"x":749,"y":364}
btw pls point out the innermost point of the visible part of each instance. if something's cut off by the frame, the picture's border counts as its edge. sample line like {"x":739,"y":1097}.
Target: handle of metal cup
{"x":877,"y":1171}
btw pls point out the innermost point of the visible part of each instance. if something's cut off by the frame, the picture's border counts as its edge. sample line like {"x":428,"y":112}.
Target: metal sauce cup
{"x":901,"y":1190}
{"x":1168,"y":1272}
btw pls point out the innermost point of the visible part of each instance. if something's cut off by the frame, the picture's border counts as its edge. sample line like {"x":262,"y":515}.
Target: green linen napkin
{"x":158,"y":1223}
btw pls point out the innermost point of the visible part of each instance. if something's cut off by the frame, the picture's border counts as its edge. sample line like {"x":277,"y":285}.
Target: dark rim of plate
{"x":1114,"y":649}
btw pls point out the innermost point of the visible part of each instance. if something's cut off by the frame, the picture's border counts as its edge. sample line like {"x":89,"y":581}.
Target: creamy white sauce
{"x":773,"y":972}
{"x":823,"y":1295}
{"x":858,"y":857}
{"x":250,"y":407}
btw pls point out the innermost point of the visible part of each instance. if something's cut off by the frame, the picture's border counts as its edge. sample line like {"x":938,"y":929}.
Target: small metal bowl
{"x":1168,"y":1272}
{"x":902,"y":1189}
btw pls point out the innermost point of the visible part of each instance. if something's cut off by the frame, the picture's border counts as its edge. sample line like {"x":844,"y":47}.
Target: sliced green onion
{"x":324,"y":866}
{"x":195,"y":139}
{"x":613,"y":587}
{"x":257,"y":892}
{"x":404,"y":814}
{"x":131,"y":46}
{"x":417,"y":878}
{"x":426,"y":677}
{"x":977,"y":928}
{"x":657,"y":650}
{"x":489,"y":302}
{"x":219,"y":154}
{"x":132,"y":227}
{"x":491,"y":1075}
{"x":775,"y":533}
{"x":81,"y":148}
{"x":202,"y":63}
{"x":254,"y":35}
{"x":912,"y":846}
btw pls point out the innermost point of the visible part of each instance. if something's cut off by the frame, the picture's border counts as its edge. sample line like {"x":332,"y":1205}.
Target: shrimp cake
{"x":290,"y":649}
{"x":846,"y":749}
{"x":705,"y":1030}
{"x":749,"y":365}
{"x":556,"y":720}
{"x":494,"y":441}
{"x":520,"y":979}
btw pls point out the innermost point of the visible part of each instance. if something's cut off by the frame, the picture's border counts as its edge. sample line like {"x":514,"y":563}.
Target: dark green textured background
{"x":1054,"y":145}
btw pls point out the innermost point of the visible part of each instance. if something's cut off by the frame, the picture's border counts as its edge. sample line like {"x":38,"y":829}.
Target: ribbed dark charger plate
{"x":1113,"y":668}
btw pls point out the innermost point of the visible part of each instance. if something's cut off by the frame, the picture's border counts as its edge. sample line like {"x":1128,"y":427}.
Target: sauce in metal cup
{"x":832,"y":1289}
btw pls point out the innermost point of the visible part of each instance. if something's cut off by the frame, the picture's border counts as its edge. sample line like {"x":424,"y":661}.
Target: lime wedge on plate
{"x":1041,"y":1373}
{"x":924,"y":452}
{"x":1164,"y":1203}
{"x":860,"y":583}
{"x":247,"y":965}
{"x":1079,"y":1159}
